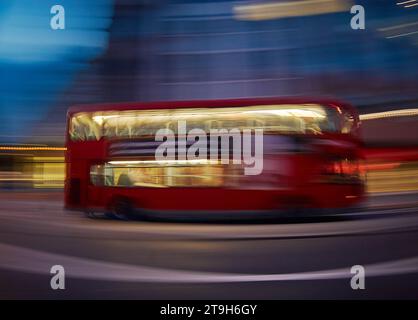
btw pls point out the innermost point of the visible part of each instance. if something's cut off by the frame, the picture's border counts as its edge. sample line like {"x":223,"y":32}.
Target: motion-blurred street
{"x":280,"y":259}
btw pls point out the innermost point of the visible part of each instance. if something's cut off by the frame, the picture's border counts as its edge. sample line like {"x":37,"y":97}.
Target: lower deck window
{"x":159,"y":176}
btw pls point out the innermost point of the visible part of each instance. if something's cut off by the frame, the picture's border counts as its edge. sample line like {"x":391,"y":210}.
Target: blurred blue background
{"x":38,"y":63}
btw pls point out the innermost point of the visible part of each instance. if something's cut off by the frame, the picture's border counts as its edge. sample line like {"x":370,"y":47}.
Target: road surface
{"x":105,"y":258}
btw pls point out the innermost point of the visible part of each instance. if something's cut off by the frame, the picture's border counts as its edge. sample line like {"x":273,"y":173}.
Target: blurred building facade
{"x":169,"y":50}
{"x":177,"y":50}
{"x":140,"y":50}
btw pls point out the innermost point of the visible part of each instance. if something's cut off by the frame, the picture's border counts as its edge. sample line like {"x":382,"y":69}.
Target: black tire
{"x":123,"y":209}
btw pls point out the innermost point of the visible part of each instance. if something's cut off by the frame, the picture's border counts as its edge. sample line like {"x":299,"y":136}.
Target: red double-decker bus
{"x":309,"y":156}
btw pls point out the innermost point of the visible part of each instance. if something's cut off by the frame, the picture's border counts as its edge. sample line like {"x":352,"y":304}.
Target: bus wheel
{"x":121,"y":209}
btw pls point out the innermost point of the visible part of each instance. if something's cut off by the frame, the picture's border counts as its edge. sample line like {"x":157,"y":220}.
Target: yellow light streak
{"x":10,"y":148}
{"x":389,"y":114}
{"x":277,"y":10}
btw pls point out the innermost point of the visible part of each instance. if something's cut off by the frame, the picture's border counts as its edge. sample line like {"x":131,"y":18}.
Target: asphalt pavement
{"x":281,"y":259}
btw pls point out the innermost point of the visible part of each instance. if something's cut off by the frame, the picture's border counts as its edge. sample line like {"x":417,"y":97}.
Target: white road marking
{"x":38,"y":262}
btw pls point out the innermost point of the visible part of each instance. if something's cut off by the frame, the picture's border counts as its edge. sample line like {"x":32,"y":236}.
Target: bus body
{"x":311,"y":154}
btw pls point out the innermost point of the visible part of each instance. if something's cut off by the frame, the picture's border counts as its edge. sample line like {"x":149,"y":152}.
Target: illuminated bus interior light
{"x":292,"y":113}
{"x":163,"y":162}
{"x":285,"y":118}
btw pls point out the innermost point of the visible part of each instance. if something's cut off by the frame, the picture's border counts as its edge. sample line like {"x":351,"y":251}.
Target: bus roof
{"x":122,"y":106}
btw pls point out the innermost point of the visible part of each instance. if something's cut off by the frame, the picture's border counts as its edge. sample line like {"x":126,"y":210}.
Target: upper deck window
{"x":292,"y":118}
